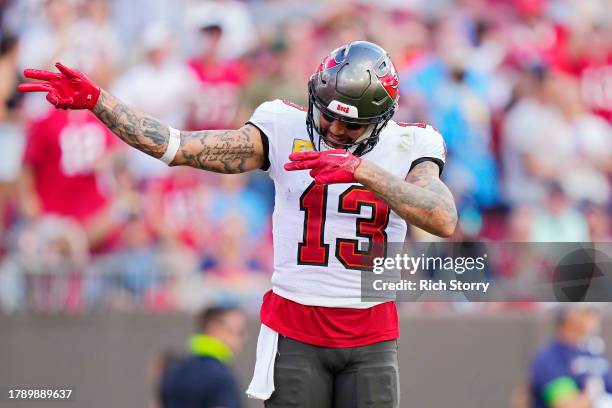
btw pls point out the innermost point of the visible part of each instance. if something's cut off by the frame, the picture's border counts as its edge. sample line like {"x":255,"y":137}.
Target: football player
{"x":348,"y":179}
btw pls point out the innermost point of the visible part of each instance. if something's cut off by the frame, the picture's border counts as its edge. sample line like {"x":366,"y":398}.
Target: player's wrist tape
{"x":173,"y":145}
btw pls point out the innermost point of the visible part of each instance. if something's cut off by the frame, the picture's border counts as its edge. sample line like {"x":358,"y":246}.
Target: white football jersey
{"x":323,"y":232}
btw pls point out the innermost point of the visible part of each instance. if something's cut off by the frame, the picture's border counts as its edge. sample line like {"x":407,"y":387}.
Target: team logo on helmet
{"x":327,"y":63}
{"x":390,"y":81}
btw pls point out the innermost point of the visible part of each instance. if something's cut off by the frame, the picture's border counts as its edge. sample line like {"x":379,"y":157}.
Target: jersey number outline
{"x":314,"y":251}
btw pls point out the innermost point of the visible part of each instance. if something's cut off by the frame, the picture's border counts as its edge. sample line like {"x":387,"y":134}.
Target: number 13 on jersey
{"x":314,"y":251}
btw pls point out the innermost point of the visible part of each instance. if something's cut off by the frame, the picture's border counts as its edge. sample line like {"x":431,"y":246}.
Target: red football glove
{"x":328,"y":167}
{"x":69,"y":89}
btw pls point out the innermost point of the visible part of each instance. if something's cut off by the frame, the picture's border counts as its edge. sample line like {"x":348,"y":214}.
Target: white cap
{"x":155,"y":35}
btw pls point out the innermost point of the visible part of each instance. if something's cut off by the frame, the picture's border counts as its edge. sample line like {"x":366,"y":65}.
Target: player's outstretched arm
{"x":222,"y":151}
{"x":422,"y":199}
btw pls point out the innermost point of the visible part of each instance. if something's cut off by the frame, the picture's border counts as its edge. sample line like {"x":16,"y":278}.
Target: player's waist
{"x":352,"y":301}
{"x":330,"y":326}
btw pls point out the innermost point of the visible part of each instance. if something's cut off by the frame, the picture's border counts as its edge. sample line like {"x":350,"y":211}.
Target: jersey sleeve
{"x":264,"y":119}
{"x":277,"y":121}
{"x":429,"y":146}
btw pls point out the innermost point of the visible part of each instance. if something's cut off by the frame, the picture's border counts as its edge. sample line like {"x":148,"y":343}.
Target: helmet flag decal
{"x":343,"y":109}
{"x":327,"y":63}
{"x":390,"y":82}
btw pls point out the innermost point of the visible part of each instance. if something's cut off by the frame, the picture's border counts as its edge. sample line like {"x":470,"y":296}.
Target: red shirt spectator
{"x":595,"y":83}
{"x":216,"y":103}
{"x":589,"y":58}
{"x":179,"y":204}
{"x":62,"y":152}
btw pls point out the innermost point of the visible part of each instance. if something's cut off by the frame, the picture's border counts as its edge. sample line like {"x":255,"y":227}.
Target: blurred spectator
{"x":589,"y":58}
{"x":216,"y":100}
{"x":572,"y":370}
{"x":283,"y":66}
{"x":465,"y":120}
{"x":599,"y":222}
{"x":585,"y":178}
{"x":11,"y":130}
{"x":534,"y":39}
{"x":558,"y":220}
{"x":128,"y":277}
{"x":98,"y":47}
{"x":131,"y":17}
{"x":76,"y":32}
{"x":344,"y":22}
{"x":160,"y":362}
{"x":537,"y":142}
{"x":519,"y":224}
{"x":234,"y":253}
{"x":9,"y":50}
{"x":232,"y":17}
{"x":52,"y":39}
{"x":178,"y":208}
{"x":88,"y":42}
{"x":160,"y":83}
{"x":161,"y":86}
{"x":233,"y":196}
{"x":48,"y":260}
{"x":454,"y":100}
{"x":63,"y":152}
{"x":204,"y":379}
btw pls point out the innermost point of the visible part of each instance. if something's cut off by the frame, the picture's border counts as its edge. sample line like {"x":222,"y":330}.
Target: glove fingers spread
{"x":300,"y":165}
{"x":66,"y":71}
{"x":40,"y":74}
{"x":68,"y":89}
{"x":35,"y":87}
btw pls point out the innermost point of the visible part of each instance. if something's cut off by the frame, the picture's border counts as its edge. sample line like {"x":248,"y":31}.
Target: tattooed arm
{"x":421,"y":199}
{"x":221,"y":151}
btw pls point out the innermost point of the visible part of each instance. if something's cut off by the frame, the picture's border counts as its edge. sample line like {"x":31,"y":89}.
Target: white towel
{"x":262,"y":384}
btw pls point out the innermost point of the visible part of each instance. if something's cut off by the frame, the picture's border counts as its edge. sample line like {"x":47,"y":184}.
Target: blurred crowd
{"x":520,"y":89}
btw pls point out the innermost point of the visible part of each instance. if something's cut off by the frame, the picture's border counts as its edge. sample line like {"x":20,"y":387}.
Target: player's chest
{"x":346,"y":222}
{"x":298,"y":196}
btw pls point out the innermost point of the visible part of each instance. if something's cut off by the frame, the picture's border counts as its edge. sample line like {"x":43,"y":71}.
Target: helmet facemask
{"x":358,"y":147}
{"x":350,"y":147}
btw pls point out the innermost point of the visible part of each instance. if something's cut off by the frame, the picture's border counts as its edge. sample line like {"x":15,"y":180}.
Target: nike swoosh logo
{"x":339,"y":155}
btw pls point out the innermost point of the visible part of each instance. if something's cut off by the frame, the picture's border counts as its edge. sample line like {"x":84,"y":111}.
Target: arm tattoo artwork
{"x":421,"y":199}
{"x":441,"y":199}
{"x":221,"y":151}
{"x":137,"y":129}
